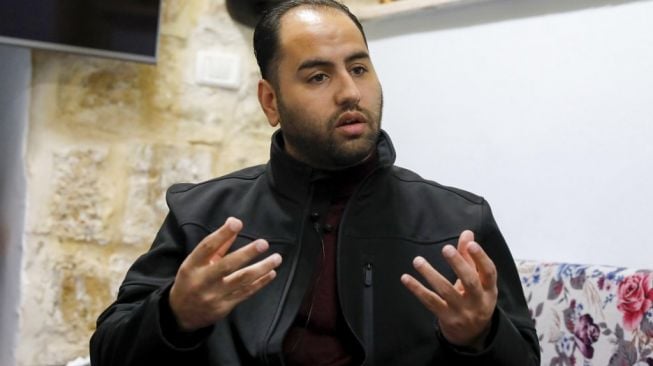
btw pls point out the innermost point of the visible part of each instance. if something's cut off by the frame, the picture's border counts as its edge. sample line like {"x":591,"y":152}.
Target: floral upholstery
{"x":590,"y":315}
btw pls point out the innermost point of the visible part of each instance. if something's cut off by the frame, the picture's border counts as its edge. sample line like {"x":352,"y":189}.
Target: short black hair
{"x":266,"y":33}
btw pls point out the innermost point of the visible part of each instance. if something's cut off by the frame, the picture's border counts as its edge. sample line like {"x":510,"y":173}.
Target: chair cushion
{"x":590,"y":315}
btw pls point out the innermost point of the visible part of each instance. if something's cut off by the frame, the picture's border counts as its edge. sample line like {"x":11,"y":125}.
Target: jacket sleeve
{"x":512,"y":340}
{"x":138,"y":328}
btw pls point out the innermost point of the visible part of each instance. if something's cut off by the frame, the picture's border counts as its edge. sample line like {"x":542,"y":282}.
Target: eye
{"x":317,"y":78}
{"x":358,"y":70}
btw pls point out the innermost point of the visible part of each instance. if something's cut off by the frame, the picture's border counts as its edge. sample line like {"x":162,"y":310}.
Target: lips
{"x":350,"y":118}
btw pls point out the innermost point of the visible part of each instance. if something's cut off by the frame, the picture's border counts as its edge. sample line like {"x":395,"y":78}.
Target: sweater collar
{"x":293,"y":178}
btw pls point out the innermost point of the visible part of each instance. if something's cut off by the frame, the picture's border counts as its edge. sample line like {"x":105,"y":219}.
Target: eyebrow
{"x":323,"y":63}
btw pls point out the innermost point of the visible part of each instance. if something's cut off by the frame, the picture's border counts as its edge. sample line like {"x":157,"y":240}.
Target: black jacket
{"x":392,"y":217}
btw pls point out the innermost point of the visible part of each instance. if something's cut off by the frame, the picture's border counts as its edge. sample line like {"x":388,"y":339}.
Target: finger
{"x":237,"y":259}
{"x":217,"y":242}
{"x":465,"y":238}
{"x":234,"y":226}
{"x":428,"y":298}
{"x":245,"y":292}
{"x":466,"y":273}
{"x":485,"y":266}
{"x":440,"y":284}
{"x":245,"y":276}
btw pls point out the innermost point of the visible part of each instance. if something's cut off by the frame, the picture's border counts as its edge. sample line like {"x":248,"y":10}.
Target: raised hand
{"x":464,"y":310}
{"x":210,"y":283}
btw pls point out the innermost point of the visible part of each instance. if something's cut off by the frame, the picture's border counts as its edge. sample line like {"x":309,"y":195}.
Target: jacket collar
{"x":293,"y":178}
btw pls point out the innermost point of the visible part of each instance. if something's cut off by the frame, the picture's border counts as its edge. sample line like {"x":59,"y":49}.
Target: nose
{"x":348,"y":93}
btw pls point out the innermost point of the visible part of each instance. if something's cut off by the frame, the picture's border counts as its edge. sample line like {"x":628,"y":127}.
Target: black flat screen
{"x":112,"y":28}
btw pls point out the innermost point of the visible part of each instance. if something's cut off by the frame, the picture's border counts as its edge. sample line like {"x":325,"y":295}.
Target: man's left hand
{"x":464,"y":310}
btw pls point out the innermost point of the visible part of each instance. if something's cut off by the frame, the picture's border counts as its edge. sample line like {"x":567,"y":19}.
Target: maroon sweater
{"x":319,"y":335}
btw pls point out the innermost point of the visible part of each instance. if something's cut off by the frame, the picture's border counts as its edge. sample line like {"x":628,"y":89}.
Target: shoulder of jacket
{"x":231,"y":180}
{"x":407,"y":176}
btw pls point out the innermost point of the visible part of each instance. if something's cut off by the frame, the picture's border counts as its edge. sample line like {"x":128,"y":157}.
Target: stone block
{"x":179,"y":17}
{"x":101,"y":94}
{"x":153,"y":168}
{"x":79,"y":208}
{"x":65,"y":289}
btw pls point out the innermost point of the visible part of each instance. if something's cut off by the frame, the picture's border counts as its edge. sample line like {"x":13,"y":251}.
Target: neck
{"x":324,"y":165}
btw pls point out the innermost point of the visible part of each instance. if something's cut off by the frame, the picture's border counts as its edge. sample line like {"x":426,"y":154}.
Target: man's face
{"x":328,"y":96}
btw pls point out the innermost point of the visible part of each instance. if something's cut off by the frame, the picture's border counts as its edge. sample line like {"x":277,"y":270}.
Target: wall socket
{"x":217,"y":69}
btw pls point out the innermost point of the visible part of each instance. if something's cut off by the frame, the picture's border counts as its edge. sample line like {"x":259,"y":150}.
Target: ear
{"x":268,"y":100}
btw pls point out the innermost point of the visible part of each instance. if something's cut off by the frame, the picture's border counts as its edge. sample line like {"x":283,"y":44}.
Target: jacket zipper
{"x":368,"y":323}
{"x":368,"y":312}
{"x":291,"y":275}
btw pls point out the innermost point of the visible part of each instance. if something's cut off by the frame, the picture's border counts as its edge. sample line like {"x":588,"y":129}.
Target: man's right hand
{"x":210,"y":282}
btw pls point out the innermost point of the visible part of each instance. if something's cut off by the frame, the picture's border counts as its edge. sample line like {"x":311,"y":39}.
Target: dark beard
{"x":321,"y":150}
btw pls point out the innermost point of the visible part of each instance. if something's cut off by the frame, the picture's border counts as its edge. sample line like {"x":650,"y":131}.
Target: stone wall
{"x":106,"y":138}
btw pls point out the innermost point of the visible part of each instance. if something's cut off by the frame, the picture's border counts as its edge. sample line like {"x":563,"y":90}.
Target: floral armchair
{"x":590,"y":315}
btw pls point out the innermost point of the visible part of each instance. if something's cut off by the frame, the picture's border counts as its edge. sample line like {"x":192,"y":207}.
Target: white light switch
{"x":215,"y":68}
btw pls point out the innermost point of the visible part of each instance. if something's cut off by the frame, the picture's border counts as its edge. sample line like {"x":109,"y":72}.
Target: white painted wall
{"x":543,"y":107}
{"x":15,"y":78}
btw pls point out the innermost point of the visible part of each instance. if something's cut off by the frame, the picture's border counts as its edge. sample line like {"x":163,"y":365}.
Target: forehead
{"x":317,"y":32}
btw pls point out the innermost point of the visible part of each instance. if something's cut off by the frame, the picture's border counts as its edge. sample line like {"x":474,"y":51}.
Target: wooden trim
{"x":402,"y":7}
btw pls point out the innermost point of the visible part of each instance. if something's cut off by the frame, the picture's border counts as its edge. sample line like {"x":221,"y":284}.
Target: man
{"x":367,"y":274}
